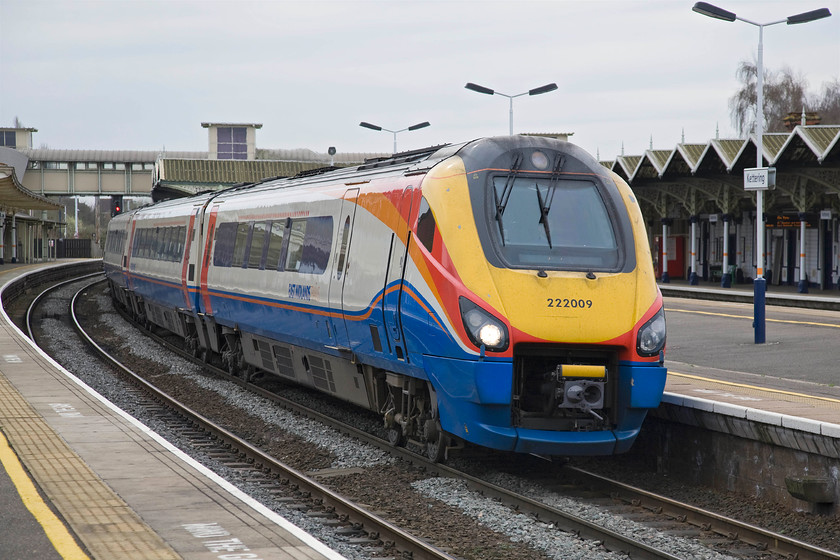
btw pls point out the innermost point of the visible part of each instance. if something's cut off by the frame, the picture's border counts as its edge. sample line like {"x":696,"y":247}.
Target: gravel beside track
{"x":444,"y":510}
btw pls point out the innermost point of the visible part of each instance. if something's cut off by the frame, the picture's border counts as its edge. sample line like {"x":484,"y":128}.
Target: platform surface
{"x":104,"y":486}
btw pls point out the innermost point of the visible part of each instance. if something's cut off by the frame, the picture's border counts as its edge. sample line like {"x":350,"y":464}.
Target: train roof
{"x":399,"y":164}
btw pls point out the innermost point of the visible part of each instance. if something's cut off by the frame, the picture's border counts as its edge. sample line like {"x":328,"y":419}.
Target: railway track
{"x":360,"y":526}
{"x":372,"y":531}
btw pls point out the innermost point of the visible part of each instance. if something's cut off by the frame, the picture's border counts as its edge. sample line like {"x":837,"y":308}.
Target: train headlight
{"x":651,"y":337}
{"x":482,"y":328}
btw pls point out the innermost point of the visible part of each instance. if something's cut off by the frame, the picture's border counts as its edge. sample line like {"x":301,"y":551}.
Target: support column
{"x":692,"y":279}
{"x":2,"y":237}
{"x":14,"y":240}
{"x":665,"y":223}
{"x":726,"y":277}
{"x":803,"y":277}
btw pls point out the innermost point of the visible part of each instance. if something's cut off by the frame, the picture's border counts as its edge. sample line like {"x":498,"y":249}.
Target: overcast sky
{"x":144,"y":75}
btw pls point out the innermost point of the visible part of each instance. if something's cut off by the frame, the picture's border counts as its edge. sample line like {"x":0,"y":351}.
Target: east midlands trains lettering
{"x":498,"y":292}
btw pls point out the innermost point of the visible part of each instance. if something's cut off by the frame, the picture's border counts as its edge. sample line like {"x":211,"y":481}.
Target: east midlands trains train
{"x":499,"y":292}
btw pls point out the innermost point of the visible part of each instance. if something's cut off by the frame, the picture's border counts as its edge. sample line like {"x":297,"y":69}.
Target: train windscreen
{"x":559,"y":224}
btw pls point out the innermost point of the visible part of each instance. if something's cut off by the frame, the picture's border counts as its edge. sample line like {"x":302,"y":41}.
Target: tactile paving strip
{"x":100,"y":519}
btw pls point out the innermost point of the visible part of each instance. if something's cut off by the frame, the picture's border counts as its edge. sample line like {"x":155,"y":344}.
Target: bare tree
{"x":784,"y":92}
{"x":827,"y":104}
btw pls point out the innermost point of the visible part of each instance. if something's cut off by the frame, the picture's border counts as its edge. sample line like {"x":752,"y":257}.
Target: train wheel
{"x":396,"y":437}
{"x":191,"y":346}
{"x":436,"y":441}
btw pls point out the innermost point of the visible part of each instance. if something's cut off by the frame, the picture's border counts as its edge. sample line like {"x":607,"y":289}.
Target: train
{"x":498,"y":292}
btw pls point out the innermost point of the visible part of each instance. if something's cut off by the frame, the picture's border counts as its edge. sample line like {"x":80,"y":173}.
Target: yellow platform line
{"x":754,"y":387}
{"x":812,"y":323}
{"x":56,"y":532}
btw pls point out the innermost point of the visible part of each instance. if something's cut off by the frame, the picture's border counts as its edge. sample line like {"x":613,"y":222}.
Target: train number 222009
{"x":566,"y":302}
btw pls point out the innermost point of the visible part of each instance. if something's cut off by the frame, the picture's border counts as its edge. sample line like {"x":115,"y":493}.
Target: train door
{"x":394,"y":278}
{"x":338,"y":327}
{"x":190,"y":257}
{"x":827,"y":254}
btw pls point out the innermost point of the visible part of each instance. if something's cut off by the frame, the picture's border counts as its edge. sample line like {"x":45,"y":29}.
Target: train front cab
{"x":567,"y":378}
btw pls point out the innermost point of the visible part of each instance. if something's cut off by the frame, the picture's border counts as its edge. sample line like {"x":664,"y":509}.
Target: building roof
{"x":123,"y":156}
{"x":185,"y":177}
{"x":226,"y":171}
{"x":15,"y":197}
{"x":149,"y":156}
{"x":209,"y":124}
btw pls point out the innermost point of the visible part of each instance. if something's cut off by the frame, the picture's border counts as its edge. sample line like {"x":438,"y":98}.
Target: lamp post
{"x":410,"y":128}
{"x":760,"y":283}
{"x":536,"y":91}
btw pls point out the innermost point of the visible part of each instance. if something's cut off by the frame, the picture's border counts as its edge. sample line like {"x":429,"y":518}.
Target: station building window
{"x":232,"y":142}
{"x":7,"y":139}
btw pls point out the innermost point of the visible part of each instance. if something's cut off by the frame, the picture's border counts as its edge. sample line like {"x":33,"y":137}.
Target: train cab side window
{"x":275,"y":245}
{"x":240,"y":246}
{"x":255,"y":254}
{"x":297,"y":232}
{"x":223,"y":244}
{"x":426,"y":225}
{"x":345,"y":237}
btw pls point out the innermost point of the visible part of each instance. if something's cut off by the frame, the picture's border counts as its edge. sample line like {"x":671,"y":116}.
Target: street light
{"x":536,"y":91}
{"x":410,"y":128}
{"x":760,"y":283}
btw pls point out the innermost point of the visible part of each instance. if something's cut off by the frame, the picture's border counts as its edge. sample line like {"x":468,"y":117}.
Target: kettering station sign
{"x":759,"y":178}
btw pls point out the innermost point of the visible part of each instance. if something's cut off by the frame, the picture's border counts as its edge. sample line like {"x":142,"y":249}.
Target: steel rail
{"x":762,"y":539}
{"x":372,"y":524}
{"x":568,"y":522}
{"x":704,"y":519}
{"x":37,"y":300}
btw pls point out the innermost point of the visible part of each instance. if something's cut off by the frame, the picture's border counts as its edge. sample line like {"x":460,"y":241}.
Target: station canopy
{"x":13,"y":195}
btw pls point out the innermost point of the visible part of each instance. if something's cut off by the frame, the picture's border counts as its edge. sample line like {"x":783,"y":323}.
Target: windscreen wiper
{"x":545,"y":208}
{"x":501,"y":201}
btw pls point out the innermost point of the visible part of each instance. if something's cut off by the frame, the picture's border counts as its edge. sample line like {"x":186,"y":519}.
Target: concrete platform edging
{"x":774,"y":420}
{"x":735,"y":448}
{"x":746,"y":296}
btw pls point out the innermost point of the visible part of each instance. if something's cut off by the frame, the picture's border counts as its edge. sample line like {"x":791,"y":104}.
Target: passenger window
{"x":345,"y":236}
{"x":275,"y":245}
{"x":160,"y":234}
{"x":316,"y":245}
{"x":240,"y":246}
{"x":255,"y":254}
{"x":182,"y":242}
{"x":426,"y":225}
{"x":224,"y":240}
{"x":165,"y":240}
{"x":295,"y":251}
{"x":147,"y":243}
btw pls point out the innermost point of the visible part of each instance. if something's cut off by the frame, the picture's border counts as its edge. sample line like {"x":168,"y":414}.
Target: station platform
{"x":83,"y":480}
{"x":770,"y":396}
